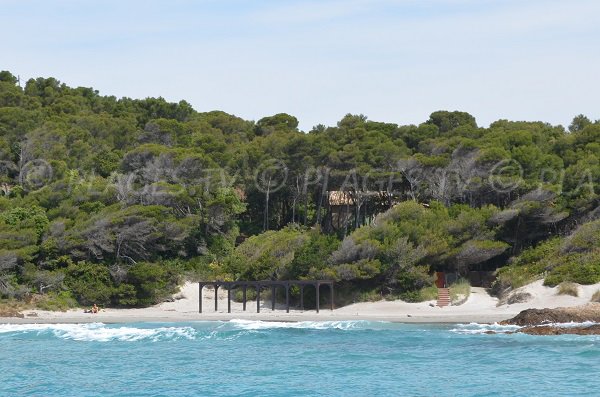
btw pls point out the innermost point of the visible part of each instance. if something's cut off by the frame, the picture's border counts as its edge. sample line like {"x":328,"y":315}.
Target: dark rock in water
{"x":531,"y":317}
{"x":554,"y":330}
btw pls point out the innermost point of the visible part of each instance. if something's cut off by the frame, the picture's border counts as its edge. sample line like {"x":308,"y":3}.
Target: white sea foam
{"x":98,"y":332}
{"x":341,"y":325}
{"x":476,"y":328}
{"x":571,"y":324}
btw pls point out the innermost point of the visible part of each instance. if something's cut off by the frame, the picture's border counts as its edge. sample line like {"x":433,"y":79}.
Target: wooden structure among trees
{"x":5,"y":189}
{"x":357,"y":207}
{"x":258,"y":285}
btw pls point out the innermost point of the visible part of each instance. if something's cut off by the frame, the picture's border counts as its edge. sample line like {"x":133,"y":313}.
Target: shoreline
{"x":268,"y":317}
{"x":479,"y":307}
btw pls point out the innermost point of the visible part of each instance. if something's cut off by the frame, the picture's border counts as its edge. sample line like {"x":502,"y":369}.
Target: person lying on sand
{"x":93,"y":310}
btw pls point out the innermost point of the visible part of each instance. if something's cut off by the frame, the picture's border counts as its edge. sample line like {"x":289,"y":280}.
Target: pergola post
{"x":287,"y":284}
{"x":258,"y":298}
{"x":244,"y":296}
{"x":272,"y":297}
{"x":229,"y":298}
{"x":216,"y":297}
{"x":287,"y":297}
{"x":200,"y":286}
{"x":331,"y":290}
{"x":317,"y":288}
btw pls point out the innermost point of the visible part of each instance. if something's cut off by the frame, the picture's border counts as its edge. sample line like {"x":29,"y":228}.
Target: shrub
{"x":89,"y":283}
{"x":518,"y":297}
{"x":238,"y":295}
{"x":152,"y":283}
{"x":581,"y":268}
{"x":413,"y":280}
{"x":370,"y":296}
{"x":411,"y":296}
{"x":428,"y":294}
{"x":529,"y":266}
{"x":567,"y":288}
{"x":460,"y":291}
{"x":60,"y":301}
{"x":585,"y":238}
{"x":125,"y":295}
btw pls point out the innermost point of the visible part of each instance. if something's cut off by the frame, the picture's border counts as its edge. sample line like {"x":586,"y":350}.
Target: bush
{"x":596,"y":297}
{"x":152,"y":283}
{"x":578,"y":268}
{"x":460,"y":291}
{"x":90,"y":283}
{"x":516,"y":297}
{"x":125,"y":295}
{"x":411,"y":296}
{"x":238,"y":295}
{"x":414,"y":279}
{"x":529,"y":266}
{"x":585,"y":238}
{"x":428,"y":294}
{"x":11,"y":308}
{"x":567,"y":288}
{"x":61,"y":301}
{"x":373,"y":295}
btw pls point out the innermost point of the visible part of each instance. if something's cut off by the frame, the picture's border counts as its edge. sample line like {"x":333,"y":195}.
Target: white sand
{"x":479,"y":307}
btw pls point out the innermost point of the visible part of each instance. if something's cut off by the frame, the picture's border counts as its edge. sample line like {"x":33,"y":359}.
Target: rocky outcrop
{"x":553,"y":330}
{"x":578,"y":314}
{"x":554,"y":321}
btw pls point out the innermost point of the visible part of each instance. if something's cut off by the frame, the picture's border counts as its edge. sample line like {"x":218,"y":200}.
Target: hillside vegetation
{"x":114,"y":201}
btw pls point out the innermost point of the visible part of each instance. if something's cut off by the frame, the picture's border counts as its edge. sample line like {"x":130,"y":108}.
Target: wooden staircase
{"x":443,"y":297}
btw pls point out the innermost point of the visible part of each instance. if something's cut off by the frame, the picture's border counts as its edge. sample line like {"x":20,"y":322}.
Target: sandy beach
{"x":480,"y":307}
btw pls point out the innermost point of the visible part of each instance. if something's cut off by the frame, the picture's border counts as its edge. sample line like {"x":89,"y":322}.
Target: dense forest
{"x":115,"y":201}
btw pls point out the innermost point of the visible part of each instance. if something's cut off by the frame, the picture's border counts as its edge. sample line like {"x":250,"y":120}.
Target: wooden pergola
{"x":258,"y":285}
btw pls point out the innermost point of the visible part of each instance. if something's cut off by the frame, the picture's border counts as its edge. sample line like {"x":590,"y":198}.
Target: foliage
{"x":113,"y":200}
{"x":568,"y":288}
{"x":428,"y":294}
{"x":290,"y":253}
{"x":91,"y":283}
{"x":61,"y":301}
{"x":459,"y":291}
{"x":574,"y":258}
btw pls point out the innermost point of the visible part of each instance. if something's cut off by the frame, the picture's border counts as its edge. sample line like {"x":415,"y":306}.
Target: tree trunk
{"x":266,"y":215}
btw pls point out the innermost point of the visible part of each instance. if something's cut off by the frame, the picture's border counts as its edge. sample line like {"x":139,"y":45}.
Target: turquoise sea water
{"x":247,"y":358}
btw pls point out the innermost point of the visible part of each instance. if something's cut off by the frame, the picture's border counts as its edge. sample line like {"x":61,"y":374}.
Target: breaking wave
{"x":317,"y":325}
{"x":99,"y":332}
{"x":476,"y":328}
